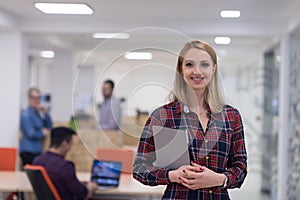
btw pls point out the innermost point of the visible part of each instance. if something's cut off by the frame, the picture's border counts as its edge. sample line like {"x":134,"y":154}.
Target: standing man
{"x":62,"y":172}
{"x":36,"y":123}
{"x":110,"y":111}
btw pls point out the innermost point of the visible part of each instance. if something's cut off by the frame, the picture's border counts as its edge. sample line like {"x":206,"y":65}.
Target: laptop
{"x":106,"y":173}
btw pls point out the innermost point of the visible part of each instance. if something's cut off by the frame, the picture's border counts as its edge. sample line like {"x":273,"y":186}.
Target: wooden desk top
{"x":14,"y":181}
{"x":128,"y":185}
{"x":11,"y":181}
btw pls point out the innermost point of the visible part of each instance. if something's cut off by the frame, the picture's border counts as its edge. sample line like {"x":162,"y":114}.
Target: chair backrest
{"x":8,"y":157}
{"x":122,"y":155}
{"x":41,"y":183}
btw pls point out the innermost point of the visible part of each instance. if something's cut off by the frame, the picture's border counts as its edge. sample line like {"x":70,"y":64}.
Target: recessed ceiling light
{"x":230,"y":13}
{"x":47,"y":54}
{"x":222,"y":40}
{"x":138,"y":55}
{"x":111,"y":35}
{"x":64,"y":8}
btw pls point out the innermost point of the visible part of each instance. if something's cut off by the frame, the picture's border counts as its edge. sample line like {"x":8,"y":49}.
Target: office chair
{"x":8,"y":157}
{"x":41,"y":183}
{"x":122,"y":155}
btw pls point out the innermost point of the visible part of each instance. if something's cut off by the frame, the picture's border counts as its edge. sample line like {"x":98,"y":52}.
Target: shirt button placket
{"x":211,"y":196}
{"x":206,"y":157}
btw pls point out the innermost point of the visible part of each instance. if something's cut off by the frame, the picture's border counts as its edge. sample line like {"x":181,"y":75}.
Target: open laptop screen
{"x":106,"y":173}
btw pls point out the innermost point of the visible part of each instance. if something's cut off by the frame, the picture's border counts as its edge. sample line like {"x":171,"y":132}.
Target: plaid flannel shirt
{"x":221,"y":148}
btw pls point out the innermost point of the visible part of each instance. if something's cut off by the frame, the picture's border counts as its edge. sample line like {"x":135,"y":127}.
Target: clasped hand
{"x":196,"y":177}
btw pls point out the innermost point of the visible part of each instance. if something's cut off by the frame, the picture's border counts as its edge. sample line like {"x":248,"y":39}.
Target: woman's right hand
{"x":175,"y":175}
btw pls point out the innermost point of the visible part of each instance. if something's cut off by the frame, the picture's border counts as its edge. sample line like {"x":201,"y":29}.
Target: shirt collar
{"x":109,"y":99}
{"x":180,"y":107}
{"x":32,"y":110}
{"x":53,"y":153}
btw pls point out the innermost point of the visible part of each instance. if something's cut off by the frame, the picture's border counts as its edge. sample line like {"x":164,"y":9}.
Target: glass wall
{"x":294,"y":147}
{"x":270,"y":121}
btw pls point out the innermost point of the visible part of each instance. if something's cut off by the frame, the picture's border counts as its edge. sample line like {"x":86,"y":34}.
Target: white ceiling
{"x":261,"y":23}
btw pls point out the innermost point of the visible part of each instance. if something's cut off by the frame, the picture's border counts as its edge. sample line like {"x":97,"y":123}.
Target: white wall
{"x":13,"y":56}
{"x":55,"y":77}
{"x":144,"y":87}
{"x":144,"y":84}
{"x":60,"y":82}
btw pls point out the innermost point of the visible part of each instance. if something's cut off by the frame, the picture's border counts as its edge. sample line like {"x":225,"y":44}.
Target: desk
{"x":17,"y":181}
{"x":14,"y":181}
{"x":128,"y":187}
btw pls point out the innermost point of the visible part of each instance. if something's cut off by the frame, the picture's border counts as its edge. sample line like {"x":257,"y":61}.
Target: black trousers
{"x":27,"y":157}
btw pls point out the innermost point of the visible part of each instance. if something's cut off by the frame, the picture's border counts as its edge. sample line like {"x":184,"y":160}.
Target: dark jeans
{"x":28,"y":157}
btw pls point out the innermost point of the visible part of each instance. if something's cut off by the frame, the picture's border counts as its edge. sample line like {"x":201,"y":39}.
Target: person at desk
{"x":110,"y":111}
{"x":35,"y":125}
{"x":61,"y":171}
{"x":215,"y":131}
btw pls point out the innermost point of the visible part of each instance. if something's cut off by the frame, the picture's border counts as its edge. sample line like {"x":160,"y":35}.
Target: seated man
{"x":61,"y":171}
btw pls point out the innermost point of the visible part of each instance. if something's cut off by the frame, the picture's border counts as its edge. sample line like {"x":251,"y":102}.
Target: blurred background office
{"x":135,"y":43}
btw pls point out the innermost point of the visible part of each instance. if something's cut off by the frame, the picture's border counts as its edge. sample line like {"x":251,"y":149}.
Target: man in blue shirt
{"x":110,"y":111}
{"x":35,"y":125}
{"x":62,"y":172}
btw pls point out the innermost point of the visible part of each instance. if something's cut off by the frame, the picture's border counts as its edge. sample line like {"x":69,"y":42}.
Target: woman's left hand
{"x":204,"y":179}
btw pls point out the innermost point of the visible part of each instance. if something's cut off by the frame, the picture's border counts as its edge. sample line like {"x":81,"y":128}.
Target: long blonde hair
{"x":213,"y":96}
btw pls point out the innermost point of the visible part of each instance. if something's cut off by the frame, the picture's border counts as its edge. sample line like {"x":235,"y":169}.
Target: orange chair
{"x":122,"y":155}
{"x":8,"y":160}
{"x":41,"y":183}
{"x":8,"y":157}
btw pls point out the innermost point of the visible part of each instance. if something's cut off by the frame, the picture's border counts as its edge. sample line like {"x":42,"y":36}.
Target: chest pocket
{"x":214,"y":144}
{"x":219,"y":136}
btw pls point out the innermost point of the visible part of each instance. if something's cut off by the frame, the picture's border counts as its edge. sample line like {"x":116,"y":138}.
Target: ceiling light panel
{"x":111,"y":35}
{"x":222,"y":40}
{"x":47,"y":54}
{"x":230,"y":13}
{"x":64,"y":8}
{"x":138,"y":55}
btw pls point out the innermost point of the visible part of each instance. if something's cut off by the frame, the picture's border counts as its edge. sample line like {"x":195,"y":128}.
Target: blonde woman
{"x":216,"y":137}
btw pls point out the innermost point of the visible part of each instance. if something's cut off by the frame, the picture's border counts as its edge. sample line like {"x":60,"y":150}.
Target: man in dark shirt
{"x":61,"y":171}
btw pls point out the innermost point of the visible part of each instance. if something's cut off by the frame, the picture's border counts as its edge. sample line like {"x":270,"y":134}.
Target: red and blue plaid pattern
{"x":221,"y":148}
